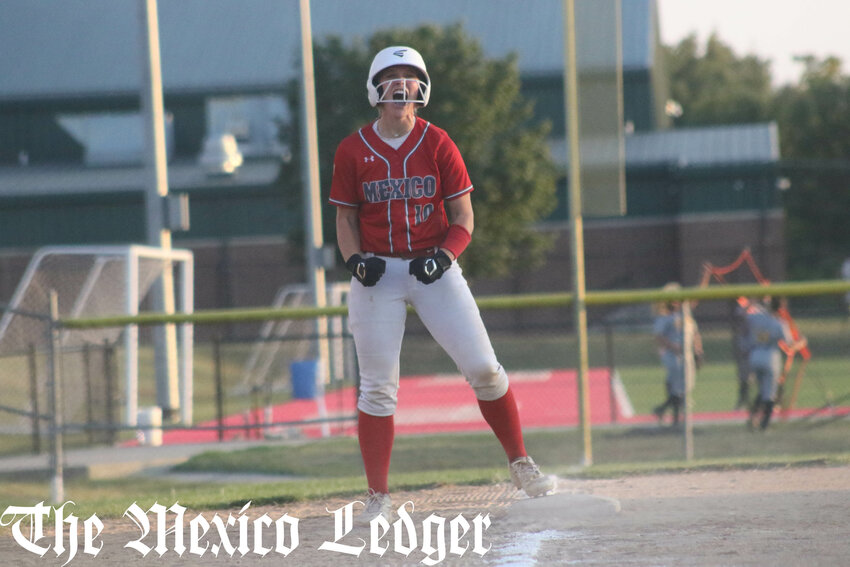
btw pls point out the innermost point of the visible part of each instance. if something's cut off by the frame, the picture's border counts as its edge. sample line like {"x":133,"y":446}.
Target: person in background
{"x":668,"y":330}
{"x":743,"y":307}
{"x":739,"y":350}
{"x":767,"y":332}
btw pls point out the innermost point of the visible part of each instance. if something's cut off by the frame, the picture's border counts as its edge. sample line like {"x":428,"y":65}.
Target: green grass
{"x":553,"y":448}
{"x":332,"y":467}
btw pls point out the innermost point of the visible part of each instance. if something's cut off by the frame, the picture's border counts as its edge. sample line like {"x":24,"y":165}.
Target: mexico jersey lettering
{"x":400,"y":193}
{"x":408,"y":187}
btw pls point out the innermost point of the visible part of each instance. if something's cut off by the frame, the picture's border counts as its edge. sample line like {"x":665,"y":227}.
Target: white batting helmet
{"x":398,"y":55}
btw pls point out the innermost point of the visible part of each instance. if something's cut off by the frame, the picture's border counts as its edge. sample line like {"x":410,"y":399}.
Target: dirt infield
{"x":781,"y":517}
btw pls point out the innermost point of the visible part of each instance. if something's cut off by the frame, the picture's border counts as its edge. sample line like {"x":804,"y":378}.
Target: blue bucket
{"x":303,"y":374}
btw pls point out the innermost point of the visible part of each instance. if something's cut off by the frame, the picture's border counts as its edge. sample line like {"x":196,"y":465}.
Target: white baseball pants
{"x":447,"y":308}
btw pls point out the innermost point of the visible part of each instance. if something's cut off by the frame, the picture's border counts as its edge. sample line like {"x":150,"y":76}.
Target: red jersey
{"x":400,"y":193}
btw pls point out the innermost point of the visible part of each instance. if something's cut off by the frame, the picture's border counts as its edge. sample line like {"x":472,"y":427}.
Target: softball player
{"x":766,"y":331}
{"x":404,"y":215}
{"x":668,"y":329}
{"x":740,"y":308}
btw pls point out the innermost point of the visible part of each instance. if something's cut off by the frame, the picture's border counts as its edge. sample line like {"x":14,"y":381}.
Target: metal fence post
{"x":609,"y":352}
{"x":688,"y":329}
{"x":219,"y":388}
{"x":89,"y":394}
{"x":109,"y":377}
{"x":57,"y":485}
{"x":36,"y":413}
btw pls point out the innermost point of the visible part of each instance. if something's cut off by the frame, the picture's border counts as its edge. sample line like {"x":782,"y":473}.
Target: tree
{"x":815,"y":114}
{"x":715,"y":86}
{"x":477,"y":100}
{"x":814,"y":125}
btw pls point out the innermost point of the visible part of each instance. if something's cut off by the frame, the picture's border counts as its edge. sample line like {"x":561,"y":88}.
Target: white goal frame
{"x":182,"y":260}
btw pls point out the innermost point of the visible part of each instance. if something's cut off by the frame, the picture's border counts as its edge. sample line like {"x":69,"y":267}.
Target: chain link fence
{"x":296,"y":399}
{"x":25,"y":375}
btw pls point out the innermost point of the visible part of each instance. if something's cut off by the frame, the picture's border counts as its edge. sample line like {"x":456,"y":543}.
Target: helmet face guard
{"x":401,"y":91}
{"x":417,"y":91}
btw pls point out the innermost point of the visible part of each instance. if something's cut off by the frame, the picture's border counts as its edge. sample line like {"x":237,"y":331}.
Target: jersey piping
{"x":389,"y":175}
{"x":404,"y":171}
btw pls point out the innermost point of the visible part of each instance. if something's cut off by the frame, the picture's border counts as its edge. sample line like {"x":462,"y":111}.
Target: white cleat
{"x":377,"y":504}
{"x":528,"y":478}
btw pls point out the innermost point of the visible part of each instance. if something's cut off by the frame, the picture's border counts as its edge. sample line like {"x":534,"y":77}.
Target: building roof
{"x":706,"y":146}
{"x":78,"y":48}
{"x":38,"y":181}
{"x":737,"y":144}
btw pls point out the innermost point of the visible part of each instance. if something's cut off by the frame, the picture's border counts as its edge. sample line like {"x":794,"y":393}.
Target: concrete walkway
{"x":117,"y":461}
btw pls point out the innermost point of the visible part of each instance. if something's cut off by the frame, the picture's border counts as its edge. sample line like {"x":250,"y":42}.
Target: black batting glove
{"x":429,"y":269}
{"x":367,"y":270}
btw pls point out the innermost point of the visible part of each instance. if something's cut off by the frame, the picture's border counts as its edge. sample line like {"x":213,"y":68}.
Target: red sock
{"x":376,"y":436}
{"x":503,"y":418}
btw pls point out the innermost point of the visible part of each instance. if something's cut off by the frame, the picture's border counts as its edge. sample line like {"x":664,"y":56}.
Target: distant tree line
{"x":714,"y":85}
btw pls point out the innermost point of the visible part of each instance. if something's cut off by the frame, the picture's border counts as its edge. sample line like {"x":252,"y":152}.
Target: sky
{"x":770,"y":29}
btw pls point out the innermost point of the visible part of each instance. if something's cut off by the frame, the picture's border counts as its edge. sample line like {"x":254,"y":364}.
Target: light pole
{"x":576,"y":226}
{"x":313,"y":240}
{"x":156,"y":194}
